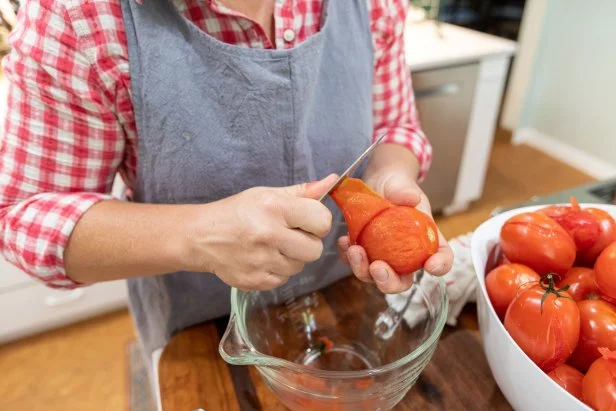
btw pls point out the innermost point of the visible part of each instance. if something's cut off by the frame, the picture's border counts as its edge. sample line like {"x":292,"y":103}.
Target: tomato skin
{"x":605,"y":272}
{"x":569,"y":378}
{"x":607,"y":299}
{"x":581,"y":224}
{"x":599,"y":384}
{"x":547,"y":335}
{"x":607,"y":235}
{"x":597,"y":329}
{"x":403,"y":237}
{"x":503,"y":283}
{"x":537,"y":241}
{"x":582,"y":283}
{"x":555,"y":212}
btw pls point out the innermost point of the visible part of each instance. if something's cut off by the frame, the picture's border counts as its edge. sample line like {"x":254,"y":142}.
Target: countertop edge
{"x":476,"y":46}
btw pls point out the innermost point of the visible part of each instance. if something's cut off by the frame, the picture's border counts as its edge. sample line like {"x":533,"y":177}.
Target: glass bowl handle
{"x":234,"y":349}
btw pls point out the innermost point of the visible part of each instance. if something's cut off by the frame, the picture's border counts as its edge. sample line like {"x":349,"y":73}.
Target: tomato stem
{"x":574,"y":204}
{"x":550,"y":288}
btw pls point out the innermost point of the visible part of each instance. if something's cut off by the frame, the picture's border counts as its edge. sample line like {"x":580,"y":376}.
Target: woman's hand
{"x":392,"y":173}
{"x":259,"y":238}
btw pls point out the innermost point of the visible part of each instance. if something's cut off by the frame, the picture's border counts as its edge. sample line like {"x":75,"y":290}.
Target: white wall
{"x":523,"y":63}
{"x":571,"y":95}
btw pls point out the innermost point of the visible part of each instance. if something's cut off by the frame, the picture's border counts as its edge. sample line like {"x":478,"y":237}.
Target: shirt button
{"x":288,"y":35}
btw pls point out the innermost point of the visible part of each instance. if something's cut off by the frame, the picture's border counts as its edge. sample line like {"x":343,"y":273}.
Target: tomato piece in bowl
{"x":539,"y":242}
{"x":505,"y":281}
{"x":545,"y":322}
{"x":597,"y":329}
{"x":605,"y":271}
{"x":599,"y":384}
{"x":582,"y":283}
{"x":569,"y":378}
{"x":580,"y":223}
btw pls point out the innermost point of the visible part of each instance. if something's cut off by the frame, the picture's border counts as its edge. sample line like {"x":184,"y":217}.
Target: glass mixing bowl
{"x":315,"y":346}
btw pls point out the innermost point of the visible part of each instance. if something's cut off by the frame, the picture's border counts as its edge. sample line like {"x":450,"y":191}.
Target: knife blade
{"x":352,"y":167}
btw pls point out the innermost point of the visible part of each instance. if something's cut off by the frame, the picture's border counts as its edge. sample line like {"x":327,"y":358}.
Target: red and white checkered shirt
{"x":70,"y":123}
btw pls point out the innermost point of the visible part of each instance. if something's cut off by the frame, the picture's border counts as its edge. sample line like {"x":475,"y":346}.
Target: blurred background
{"x":517,"y":98}
{"x":8,"y":10}
{"x":501,"y":18}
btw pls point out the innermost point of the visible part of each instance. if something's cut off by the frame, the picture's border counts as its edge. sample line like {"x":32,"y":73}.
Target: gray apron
{"x":215,"y":119}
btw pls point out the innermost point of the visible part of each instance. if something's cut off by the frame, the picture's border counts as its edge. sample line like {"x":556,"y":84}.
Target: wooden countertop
{"x":192,"y":375}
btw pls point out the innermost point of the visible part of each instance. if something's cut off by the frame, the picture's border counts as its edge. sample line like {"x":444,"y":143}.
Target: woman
{"x":216,"y":113}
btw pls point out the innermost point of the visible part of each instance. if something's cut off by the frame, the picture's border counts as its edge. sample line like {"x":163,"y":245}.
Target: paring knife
{"x":353,"y":166}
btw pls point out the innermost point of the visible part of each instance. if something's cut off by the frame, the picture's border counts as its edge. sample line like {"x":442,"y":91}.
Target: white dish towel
{"x":461,"y":285}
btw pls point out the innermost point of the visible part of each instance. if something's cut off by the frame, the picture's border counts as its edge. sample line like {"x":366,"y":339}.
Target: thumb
{"x":401,"y":192}
{"x":314,"y":189}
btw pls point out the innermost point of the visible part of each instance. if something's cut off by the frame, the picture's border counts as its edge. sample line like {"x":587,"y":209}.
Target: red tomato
{"x":579,"y":223}
{"x":607,"y":299}
{"x":605,"y":272}
{"x":537,"y":241}
{"x":555,"y":212}
{"x":607,"y":235}
{"x":597,"y":329}
{"x":569,"y":378}
{"x":599,"y":384}
{"x":582,"y":283}
{"x":545,"y":323}
{"x":503,"y":283}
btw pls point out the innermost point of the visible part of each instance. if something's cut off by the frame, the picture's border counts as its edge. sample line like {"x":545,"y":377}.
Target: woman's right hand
{"x":259,"y":238}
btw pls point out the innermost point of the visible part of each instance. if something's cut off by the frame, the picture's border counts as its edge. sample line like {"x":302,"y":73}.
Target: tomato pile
{"x":554,"y":288}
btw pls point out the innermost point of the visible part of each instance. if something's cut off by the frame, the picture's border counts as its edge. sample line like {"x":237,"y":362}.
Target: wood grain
{"x":192,"y":374}
{"x":267,"y":399}
{"x":457,"y":378}
{"x":81,"y":367}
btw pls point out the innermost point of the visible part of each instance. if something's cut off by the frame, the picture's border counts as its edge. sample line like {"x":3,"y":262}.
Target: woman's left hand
{"x":398,"y":185}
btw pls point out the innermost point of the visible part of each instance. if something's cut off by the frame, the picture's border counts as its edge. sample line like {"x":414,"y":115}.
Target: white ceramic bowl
{"x":525,"y":386}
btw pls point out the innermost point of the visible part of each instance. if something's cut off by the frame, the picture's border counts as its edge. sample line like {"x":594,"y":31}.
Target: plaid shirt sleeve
{"x":393,"y":98}
{"x":60,"y":145}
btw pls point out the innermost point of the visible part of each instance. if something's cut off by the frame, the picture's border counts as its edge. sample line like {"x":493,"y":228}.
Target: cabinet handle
{"x":442,"y":90}
{"x":65,"y":298}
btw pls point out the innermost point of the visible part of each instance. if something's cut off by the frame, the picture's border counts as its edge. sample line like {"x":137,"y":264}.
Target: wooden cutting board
{"x":192,"y":374}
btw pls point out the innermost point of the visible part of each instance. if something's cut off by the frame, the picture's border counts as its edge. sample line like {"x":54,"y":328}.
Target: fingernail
{"x":355,"y":260}
{"x":380,"y":274}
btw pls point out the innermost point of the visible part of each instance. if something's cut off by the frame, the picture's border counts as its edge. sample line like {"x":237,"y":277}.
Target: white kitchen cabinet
{"x":458,"y":77}
{"x":28,"y":307}
{"x":11,"y":277}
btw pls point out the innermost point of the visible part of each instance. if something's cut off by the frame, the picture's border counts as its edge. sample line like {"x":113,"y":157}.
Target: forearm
{"x":118,"y":240}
